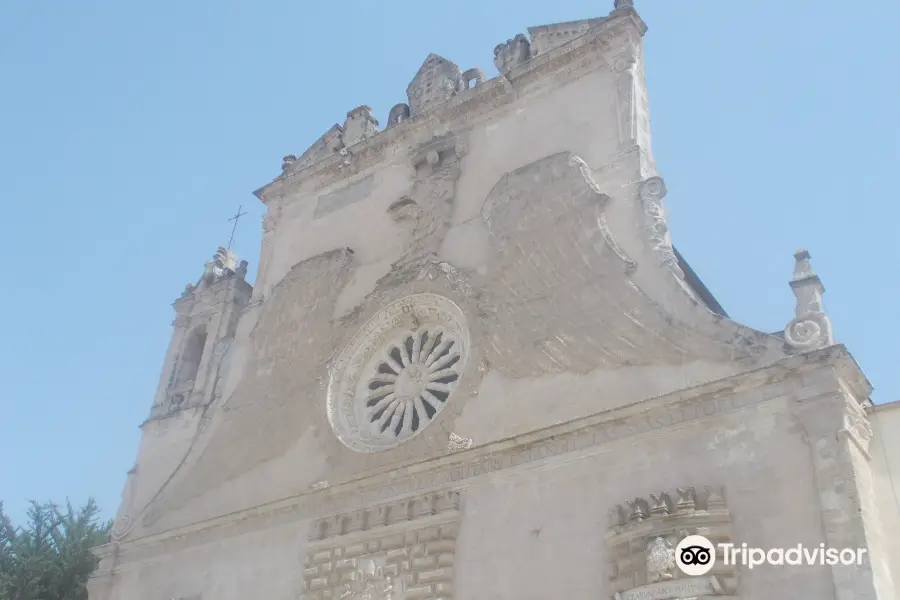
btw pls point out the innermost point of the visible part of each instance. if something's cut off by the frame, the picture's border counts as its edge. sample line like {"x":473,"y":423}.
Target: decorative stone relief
{"x":457,"y":443}
{"x":811,"y":328}
{"x":398,"y":372}
{"x":458,"y":281}
{"x":121,"y":527}
{"x":603,"y":226}
{"x":405,"y":550}
{"x":513,"y":53}
{"x":425,"y":214}
{"x":652,"y":192}
{"x":404,"y":209}
{"x":437,"y":81}
{"x":540,"y":295}
{"x":644,"y":533}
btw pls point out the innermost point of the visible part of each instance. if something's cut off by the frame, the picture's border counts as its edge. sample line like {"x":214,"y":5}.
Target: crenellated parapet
{"x":440,"y":83}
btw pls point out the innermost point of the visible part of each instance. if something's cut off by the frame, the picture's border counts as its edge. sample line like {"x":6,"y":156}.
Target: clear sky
{"x":131,"y":131}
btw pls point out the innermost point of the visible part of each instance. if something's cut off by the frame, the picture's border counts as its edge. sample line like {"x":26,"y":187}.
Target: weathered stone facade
{"x":473,"y":365}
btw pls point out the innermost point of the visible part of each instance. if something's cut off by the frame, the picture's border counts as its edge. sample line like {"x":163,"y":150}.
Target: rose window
{"x":397,"y":373}
{"x":413,"y":382}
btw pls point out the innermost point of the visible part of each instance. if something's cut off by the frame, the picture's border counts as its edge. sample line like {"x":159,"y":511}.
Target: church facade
{"x":473,"y":366}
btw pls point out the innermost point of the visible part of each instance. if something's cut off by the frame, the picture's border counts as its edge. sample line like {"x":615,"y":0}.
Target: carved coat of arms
{"x":660,"y":560}
{"x":371,"y":584}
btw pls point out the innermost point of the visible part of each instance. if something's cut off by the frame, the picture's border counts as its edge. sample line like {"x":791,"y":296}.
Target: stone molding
{"x":589,"y":436}
{"x":598,"y":48}
{"x":602,"y":223}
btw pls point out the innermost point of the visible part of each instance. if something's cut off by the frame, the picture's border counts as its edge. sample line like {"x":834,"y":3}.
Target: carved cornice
{"x":596,"y":49}
{"x":609,"y":431}
{"x":380,"y":518}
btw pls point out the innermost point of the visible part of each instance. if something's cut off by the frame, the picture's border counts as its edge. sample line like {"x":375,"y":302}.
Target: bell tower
{"x":196,"y":363}
{"x":206,"y":318}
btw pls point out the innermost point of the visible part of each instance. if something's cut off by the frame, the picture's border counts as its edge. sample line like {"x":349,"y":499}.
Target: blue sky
{"x":130,"y":132}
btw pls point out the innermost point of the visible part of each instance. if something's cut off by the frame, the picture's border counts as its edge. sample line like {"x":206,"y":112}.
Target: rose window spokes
{"x":412,"y":382}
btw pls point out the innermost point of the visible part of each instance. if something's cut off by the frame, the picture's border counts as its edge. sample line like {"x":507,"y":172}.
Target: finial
{"x":811,"y":327}
{"x":617,"y":4}
{"x":802,"y":268}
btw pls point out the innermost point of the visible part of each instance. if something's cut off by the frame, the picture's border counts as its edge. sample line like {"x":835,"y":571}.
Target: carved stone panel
{"x":343,"y":197}
{"x":400,"y":551}
{"x":644,"y":535}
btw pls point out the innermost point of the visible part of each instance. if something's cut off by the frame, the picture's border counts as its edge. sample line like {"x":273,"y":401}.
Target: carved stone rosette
{"x":400,"y":551}
{"x":397,"y":373}
{"x":644,"y":533}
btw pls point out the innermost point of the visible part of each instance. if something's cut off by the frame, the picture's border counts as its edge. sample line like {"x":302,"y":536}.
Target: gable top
{"x":439,"y":83}
{"x":547,"y":37}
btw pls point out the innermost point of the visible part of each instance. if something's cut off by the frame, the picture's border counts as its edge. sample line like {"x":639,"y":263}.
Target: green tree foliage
{"x":49,"y":558}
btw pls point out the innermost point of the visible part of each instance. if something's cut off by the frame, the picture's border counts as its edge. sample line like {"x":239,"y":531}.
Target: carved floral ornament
{"x":397,"y":373}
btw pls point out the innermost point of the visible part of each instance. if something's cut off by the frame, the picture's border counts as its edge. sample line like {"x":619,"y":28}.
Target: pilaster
{"x":838,"y":434}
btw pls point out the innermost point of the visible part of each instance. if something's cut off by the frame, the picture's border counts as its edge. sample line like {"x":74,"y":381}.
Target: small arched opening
{"x":191,"y":357}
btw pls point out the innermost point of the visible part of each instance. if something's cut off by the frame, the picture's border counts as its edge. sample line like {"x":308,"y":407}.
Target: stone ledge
{"x":602,"y":431}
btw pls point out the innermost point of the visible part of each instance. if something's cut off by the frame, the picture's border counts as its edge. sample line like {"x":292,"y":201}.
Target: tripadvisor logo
{"x":696,"y":555}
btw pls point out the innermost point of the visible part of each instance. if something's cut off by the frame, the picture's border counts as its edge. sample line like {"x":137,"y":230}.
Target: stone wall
{"x":884,"y":452}
{"x":530,"y":518}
